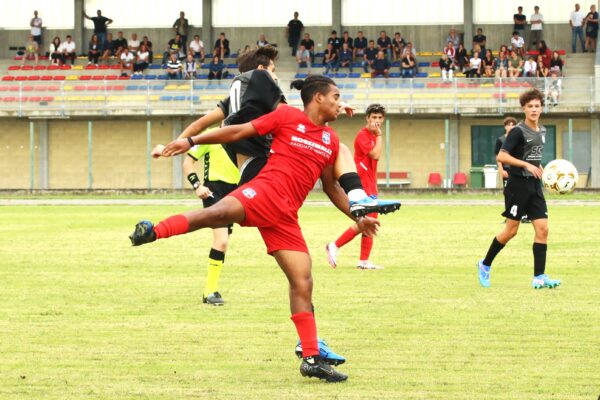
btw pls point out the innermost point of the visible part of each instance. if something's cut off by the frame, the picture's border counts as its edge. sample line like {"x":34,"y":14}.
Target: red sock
{"x":366,"y":244}
{"x":174,"y":225}
{"x":307,"y":331}
{"x":346,"y":237}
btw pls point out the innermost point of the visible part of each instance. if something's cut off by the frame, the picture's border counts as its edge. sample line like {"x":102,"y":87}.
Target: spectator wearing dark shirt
{"x":335,"y":41}
{"x":215,"y":68}
{"x":480,"y":39}
{"x":398,"y":44}
{"x":293,"y":31}
{"x":384,"y":43}
{"x":100,"y":24}
{"x":446,"y":67}
{"x":174,"y":46}
{"x":148,"y":45}
{"x":347,"y":39}
{"x":109,"y":48}
{"x":360,"y":45}
{"x":222,"y":46}
{"x":330,"y":59}
{"x":345,"y":56}
{"x":119,"y":45}
{"x":309,"y":45}
{"x":545,"y":52}
{"x":591,"y":29}
{"x":520,"y":21}
{"x":370,"y":56}
{"x":556,"y":62}
{"x":94,"y":51}
{"x":181,"y":27}
{"x":408,"y":65}
{"x":381,"y":65}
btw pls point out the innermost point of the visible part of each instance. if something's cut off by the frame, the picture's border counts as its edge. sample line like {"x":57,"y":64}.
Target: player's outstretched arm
{"x":228,"y":134}
{"x":199,"y":125}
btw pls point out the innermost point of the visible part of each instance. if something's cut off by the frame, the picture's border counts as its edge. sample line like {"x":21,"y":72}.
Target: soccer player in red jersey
{"x":304,"y":148}
{"x":368,"y":145}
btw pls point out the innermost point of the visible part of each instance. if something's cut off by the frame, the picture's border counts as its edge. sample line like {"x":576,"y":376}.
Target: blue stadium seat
{"x":396,"y":64}
{"x":137,"y":77}
{"x":418,"y":85}
{"x":378,"y":85}
{"x":354,"y":75}
{"x":198,"y":86}
{"x":294,"y":96}
{"x":424,"y":64}
{"x":405,"y":85}
{"x":300,"y":76}
{"x":193,"y":98}
{"x":234,"y":66}
{"x":421,"y":75}
{"x":391,"y":85}
{"x":154,"y":66}
{"x":395,"y":75}
{"x":233,"y":55}
{"x":166,"y":98}
{"x":163,"y":77}
{"x":202,"y":76}
{"x":341,"y":75}
{"x":179,"y":98}
{"x":150,"y":77}
{"x":157,"y":87}
{"x":330,"y":75}
{"x":356,"y":65}
{"x":347,"y":96}
{"x":133,"y":87}
{"x":320,"y":54}
{"x":318,"y":65}
{"x":351,"y":85}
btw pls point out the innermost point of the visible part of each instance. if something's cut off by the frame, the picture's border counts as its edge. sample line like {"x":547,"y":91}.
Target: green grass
{"x":85,"y":316}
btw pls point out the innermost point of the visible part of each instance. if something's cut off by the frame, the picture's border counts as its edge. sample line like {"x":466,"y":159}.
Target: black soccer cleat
{"x":143,"y":233}
{"x":214,"y":299}
{"x":369,"y":205}
{"x":315,"y":367}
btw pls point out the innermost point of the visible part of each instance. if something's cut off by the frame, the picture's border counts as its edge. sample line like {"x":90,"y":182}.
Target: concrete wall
{"x":14,"y":162}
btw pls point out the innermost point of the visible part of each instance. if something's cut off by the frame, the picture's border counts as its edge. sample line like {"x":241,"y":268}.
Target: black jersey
{"x":525,"y":144}
{"x":252,"y":95}
{"x":499,"y":143}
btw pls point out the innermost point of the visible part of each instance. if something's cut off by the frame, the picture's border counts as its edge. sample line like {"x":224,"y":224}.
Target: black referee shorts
{"x":219,"y":190}
{"x":524,"y":196}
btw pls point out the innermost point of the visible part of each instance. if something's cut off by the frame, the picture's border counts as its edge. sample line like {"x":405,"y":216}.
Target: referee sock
{"x":174,"y":225}
{"x":493,"y":251}
{"x":216,"y":259}
{"x":307,"y":332}
{"x":539,"y":258}
{"x":346,"y":237}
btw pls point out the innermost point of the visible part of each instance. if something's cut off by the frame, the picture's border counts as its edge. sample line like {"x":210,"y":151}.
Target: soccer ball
{"x":560,"y":176}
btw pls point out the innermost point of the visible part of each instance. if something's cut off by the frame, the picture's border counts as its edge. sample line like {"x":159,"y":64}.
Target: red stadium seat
{"x":119,"y":87}
{"x":46,"y":77}
{"x":27,"y":67}
{"x":53,"y":67}
{"x":10,"y":99}
{"x":65,"y":67}
{"x":53,"y":88}
{"x":33,"y":78}
{"x":27,"y":88}
{"x":13,"y":88}
{"x":111,"y":77}
{"x":562,"y":52}
{"x":104,"y":67}
{"x":435,"y":64}
{"x":90,"y":66}
{"x":14,"y":67}
{"x":8,"y":78}
{"x":20,"y":78}
{"x":433,"y":85}
{"x":124,"y":78}
{"x":39,"y":68}
{"x":435,"y":179}
{"x":59,"y":77}
{"x":3,"y":88}
{"x":97,"y":78}
{"x":48,"y":98}
{"x":79,"y":88}
{"x":85,"y":77}
{"x":93,"y":88}
{"x":116,"y":66}
{"x":35,"y":99}
{"x":41,"y":88}
{"x":460,"y":179}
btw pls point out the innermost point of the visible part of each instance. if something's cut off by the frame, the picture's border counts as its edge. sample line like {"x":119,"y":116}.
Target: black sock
{"x":539,"y":258}
{"x":494,"y":249}
{"x":216,"y":255}
{"x":350,"y":181}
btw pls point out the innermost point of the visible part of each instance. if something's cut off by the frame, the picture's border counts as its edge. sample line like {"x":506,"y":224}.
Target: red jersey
{"x":299,"y":153}
{"x":365,"y":165}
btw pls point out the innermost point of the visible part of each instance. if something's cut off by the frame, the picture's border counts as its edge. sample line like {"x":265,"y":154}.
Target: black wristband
{"x":191,"y":142}
{"x":194,"y":180}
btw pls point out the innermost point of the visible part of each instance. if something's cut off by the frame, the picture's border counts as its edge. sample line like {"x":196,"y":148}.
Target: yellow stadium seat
{"x":154,"y":97}
{"x":171,"y":87}
{"x":438,"y":53}
{"x":487,"y":85}
{"x":435,"y":75}
{"x":97,"y":98}
{"x":360,"y":96}
{"x":425,"y":53}
{"x":77,"y":67}
{"x":68,"y":87}
{"x":72,"y":78}
{"x":365,"y":75}
{"x":183,"y":87}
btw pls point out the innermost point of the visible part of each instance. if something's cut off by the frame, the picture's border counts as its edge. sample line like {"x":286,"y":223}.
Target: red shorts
{"x":270,"y":212}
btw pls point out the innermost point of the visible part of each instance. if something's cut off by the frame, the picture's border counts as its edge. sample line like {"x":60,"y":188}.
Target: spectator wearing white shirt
{"x":537,"y":24}
{"x":133,"y":44}
{"x":190,"y":67}
{"x":126,"y":61}
{"x":518,"y":44}
{"x":141,"y":60}
{"x":68,"y":50}
{"x":530,"y":68}
{"x":576,"y":23}
{"x":474,"y":66}
{"x":262,"y":41}
{"x":196,"y":47}
{"x":36,"y":28}
{"x":302,"y":58}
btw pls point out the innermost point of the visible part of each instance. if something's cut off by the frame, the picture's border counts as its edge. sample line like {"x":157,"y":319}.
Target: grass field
{"x":85,"y":316}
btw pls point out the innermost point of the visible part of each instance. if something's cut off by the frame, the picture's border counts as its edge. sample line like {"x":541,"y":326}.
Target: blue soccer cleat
{"x":371,"y":204}
{"x":484,"y":274}
{"x":544,"y":281}
{"x":325,"y":352}
{"x":143,"y":233}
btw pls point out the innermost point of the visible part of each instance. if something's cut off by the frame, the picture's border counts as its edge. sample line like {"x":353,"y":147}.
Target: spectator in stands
{"x":384,"y":43}
{"x":181,"y":27}
{"x":520,"y":22}
{"x":545,"y":52}
{"x":100,"y":26}
{"x":68,"y":50}
{"x":330,"y":59}
{"x":303,"y":58}
{"x":576,"y":23}
{"x":554,"y":87}
{"x":31,"y":50}
{"x":477,"y":49}
{"x":190,"y":68}
{"x":109,"y":48}
{"x":335,"y":41}
{"x":446,"y":67}
{"x":173,"y":47}
{"x":504,"y":49}
{"x":345,"y":56}
{"x":530,"y":67}
{"x":222,"y":46}
{"x":537,"y":23}
{"x":453,"y":37}
{"x":215,"y":68}
{"x":347,"y":39}
{"x":474,"y":66}
{"x":488,"y":64}
{"x":515,"y":65}
{"x":196,"y":47}
{"x":408,"y":65}
{"x":293,"y":31}
{"x":501,"y":65}
{"x":556,"y":62}
{"x":309,"y":45}
{"x":409,"y":48}
{"x":461,"y":59}
{"x":262,"y":41}
{"x":398,"y":44}
{"x":370,"y":56}
{"x":133,"y":44}
{"x":146,"y":42}
{"x":518,"y":43}
{"x":94,"y":50}
{"x":591,"y":29}
{"x":174,"y":67}
{"x":120,"y":44}
{"x":381,"y":65}
{"x":542,"y":70}
{"x":127,"y":60}
{"x":142,"y":58}
{"x":36,"y":29}
{"x":360,"y":45}
{"x":480,"y":40}
{"x":449,"y":50}
{"x":55,"y":52}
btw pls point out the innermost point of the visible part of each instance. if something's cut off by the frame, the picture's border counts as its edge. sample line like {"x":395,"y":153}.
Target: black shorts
{"x":524,"y":196}
{"x":219,"y":190}
{"x":252,"y":168}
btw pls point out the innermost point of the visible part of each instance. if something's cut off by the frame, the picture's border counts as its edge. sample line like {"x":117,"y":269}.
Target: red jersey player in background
{"x":367,"y":150}
{"x":304,"y":148}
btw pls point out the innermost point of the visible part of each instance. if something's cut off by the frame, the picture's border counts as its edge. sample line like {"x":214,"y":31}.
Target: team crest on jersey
{"x":249,"y":192}
{"x":326,"y":137}
{"x":301,"y":128}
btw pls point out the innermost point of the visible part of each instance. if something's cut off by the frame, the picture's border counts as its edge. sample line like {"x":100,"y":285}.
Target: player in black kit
{"x":522,"y":151}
